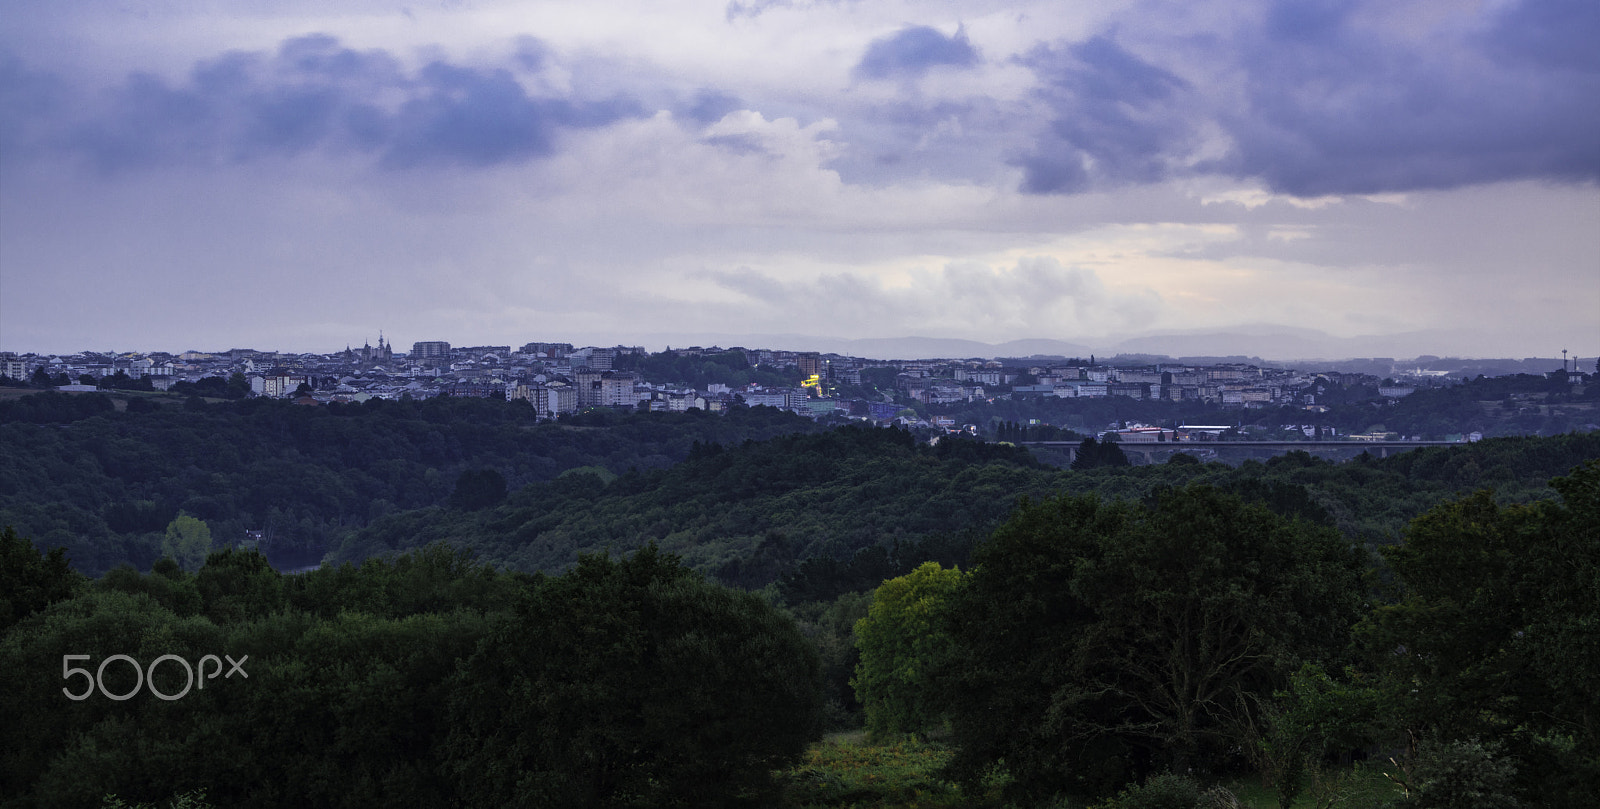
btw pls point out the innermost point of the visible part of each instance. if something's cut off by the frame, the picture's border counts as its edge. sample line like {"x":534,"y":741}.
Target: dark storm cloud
{"x":1321,"y":106}
{"x":1111,"y":111}
{"x":913,"y":51}
{"x":313,"y":94}
{"x":28,"y":99}
{"x":475,"y":117}
{"x":1551,"y":33}
{"x":1335,"y":110}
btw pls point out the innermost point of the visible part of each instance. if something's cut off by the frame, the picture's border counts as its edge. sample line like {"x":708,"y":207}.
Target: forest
{"x":75,"y":472}
{"x":674,"y":609}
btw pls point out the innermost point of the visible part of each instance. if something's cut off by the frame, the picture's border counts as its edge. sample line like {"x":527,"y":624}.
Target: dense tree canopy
{"x":632,"y":683}
{"x":29,"y":580}
{"x":1121,"y":621}
{"x":1498,"y":632}
{"x":422,"y":681}
{"x":75,"y":473}
{"x":1096,"y":641}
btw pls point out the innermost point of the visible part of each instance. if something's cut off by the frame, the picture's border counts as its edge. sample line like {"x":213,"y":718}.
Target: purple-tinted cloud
{"x":1339,"y":111}
{"x":314,"y":94}
{"x":28,"y":98}
{"x":1116,"y":118}
{"x":709,"y":105}
{"x":1548,"y":33}
{"x":755,"y":8}
{"x":913,"y":51}
{"x":1325,"y":107}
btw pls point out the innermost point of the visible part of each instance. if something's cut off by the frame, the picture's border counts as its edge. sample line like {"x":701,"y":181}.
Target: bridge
{"x":1148,"y":449}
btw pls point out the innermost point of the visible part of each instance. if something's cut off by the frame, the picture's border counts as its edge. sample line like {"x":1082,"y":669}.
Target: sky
{"x":295,"y":175}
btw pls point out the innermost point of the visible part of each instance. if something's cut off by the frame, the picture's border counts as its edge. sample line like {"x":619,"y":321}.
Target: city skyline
{"x":1398,"y":180}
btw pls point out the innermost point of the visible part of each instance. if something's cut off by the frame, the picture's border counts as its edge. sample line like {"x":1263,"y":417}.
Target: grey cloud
{"x":1038,"y":293}
{"x":709,"y":105}
{"x":963,"y":140}
{"x":755,"y":8}
{"x":1548,"y":33}
{"x":913,"y":51}
{"x":27,"y":99}
{"x":472,"y":117}
{"x":1322,"y":107}
{"x":531,"y":54}
{"x":1340,"y":112}
{"x":315,"y":94}
{"x":743,"y":143}
{"x":1307,"y":21}
{"x":750,"y":283}
{"x":1053,"y":172}
{"x":1112,"y":111}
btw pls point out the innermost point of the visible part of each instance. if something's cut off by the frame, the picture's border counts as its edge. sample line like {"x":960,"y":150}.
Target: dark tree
{"x":30,"y":581}
{"x":478,"y":488}
{"x":633,"y":683}
{"x":1093,"y":454}
{"x":1496,"y":638}
{"x":1100,"y":642}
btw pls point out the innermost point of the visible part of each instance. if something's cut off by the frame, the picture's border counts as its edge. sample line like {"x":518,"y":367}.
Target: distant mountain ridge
{"x":1271,"y":342}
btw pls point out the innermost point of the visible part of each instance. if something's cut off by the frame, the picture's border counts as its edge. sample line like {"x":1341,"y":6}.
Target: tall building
{"x":810,"y":363}
{"x":430,"y":350}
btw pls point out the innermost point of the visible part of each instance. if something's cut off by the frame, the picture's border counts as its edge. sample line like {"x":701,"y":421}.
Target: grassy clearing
{"x":845,"y":772}
{"x":1357,"y":787}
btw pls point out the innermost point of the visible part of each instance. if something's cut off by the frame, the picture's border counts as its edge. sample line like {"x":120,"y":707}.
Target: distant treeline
{"x":835,"y":512}
{"x":753,"y":497}
{"x":106,"y":485}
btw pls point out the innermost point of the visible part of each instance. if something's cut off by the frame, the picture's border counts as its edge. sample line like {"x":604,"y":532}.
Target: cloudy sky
{"x":297,"y":175}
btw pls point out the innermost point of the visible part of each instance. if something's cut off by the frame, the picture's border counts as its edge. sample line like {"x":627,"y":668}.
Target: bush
{"x":1461,"y":775}
{"x":1164,"y":791}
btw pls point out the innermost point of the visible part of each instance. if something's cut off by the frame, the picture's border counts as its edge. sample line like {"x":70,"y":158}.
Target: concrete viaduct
{"x":1149,"y":448}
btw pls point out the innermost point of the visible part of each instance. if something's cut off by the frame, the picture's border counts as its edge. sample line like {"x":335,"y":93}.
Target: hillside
{"x":853,"y":505}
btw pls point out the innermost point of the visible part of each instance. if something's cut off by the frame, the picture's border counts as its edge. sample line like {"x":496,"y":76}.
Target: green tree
{"x":1096,"y":642}
{"x":55,"y":751}
{"x":187,"y":541}
{"x":903,"y":647}
{"x":1461,"y":775}
{"x":1093,"y":454}
{"x":478,"y":488}
{"x":632,"y":683}
{"x":238,"y":585}
{"x":1496,"y":636}
{"x":1317,"y":716}
{"x":29,"y":580}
